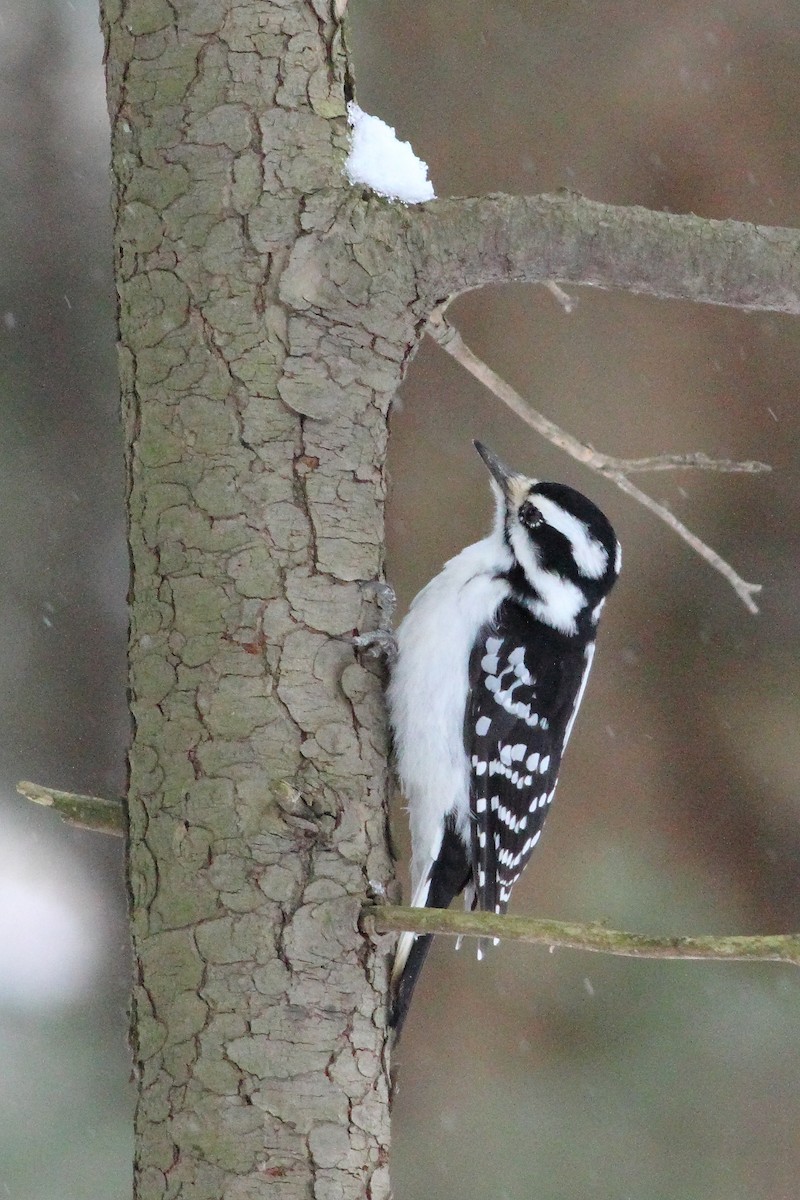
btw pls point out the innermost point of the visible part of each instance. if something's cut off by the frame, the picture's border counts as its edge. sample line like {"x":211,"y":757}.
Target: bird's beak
{"x":502,"y":474}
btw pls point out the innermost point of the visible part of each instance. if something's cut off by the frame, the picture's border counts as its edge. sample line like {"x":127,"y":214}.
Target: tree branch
{"x":384,"y":918}
{"x":744,"y":590}
{"x":613,"y":469}
{"x":84,"y":812}
{"x":465,"y":243}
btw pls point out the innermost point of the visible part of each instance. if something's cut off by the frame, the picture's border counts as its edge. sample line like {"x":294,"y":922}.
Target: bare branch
{"x":567,"y":302}
{"x":695,"y":460}
{"x":744,"y":590}
{"x":613,"y":469}
{"x":85,"y":812}
{"x":382,"y":918}
{"x":464,"y":243}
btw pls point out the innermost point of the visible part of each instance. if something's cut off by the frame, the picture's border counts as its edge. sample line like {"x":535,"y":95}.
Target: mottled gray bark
{"x":267,"y":311}
{"x":467,"y":242}
{"x":256,"y":428}
{"x":567,"y":238}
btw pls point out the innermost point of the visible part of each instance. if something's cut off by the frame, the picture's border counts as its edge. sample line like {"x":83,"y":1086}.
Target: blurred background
{"x":532,"y":1074}
{"x":65,"y":1098}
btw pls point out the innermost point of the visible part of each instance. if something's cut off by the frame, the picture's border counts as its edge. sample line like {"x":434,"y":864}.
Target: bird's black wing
{"x":526,"y":681}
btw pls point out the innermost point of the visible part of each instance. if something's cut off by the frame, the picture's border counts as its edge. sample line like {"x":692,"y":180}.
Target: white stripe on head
{"x":591,"y":557}
{"x":561,"y":600}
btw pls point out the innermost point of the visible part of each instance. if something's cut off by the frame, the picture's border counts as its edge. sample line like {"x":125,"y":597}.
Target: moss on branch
{"x":380,"y":918}
{"x":85,"y":812}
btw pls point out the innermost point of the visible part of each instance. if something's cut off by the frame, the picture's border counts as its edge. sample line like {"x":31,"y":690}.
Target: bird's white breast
{"x":428,"y":691}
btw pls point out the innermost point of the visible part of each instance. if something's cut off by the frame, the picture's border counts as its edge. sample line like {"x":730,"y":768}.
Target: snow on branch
{"x":614,"y":469}
{"x":380,"y":160}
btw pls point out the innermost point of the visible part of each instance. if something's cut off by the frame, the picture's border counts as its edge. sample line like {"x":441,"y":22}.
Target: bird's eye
{"x":530,"y":516}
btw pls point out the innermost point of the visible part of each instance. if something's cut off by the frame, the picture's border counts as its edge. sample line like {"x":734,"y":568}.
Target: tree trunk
{"x":255,"y":399}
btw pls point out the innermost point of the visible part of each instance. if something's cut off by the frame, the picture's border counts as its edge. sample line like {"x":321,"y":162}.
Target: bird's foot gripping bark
{"x":381,"y":641}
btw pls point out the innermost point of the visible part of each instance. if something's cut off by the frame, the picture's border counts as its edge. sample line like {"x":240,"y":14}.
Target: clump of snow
{"x":378,"y":159}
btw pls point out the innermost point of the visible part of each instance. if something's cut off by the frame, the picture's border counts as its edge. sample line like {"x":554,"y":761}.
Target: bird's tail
{"x":448,"y":875}
{"x":405,"y":980}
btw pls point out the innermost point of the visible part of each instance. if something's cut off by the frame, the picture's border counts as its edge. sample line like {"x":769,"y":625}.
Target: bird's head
{"x":566,"y":557}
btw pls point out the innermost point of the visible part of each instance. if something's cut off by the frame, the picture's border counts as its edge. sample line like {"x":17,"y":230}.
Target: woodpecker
{"x":492,"y":661}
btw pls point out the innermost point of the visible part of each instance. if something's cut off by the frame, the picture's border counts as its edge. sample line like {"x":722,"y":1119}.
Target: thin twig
{"x":85,"y":812}
{"x":744,"y":590}
{"x":567,"y":302}
{"x":613,"y":469}
{"x":384,"y":918}
{"x":695,"y":460}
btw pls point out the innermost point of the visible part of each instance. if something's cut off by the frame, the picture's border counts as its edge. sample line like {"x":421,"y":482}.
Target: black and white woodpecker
{"x":492,"y":662}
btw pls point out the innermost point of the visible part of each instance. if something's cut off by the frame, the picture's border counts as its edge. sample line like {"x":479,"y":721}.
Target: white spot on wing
{"x":596,"y":611}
